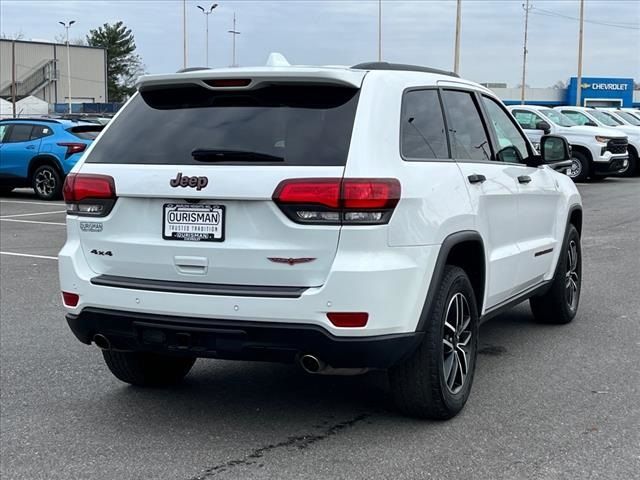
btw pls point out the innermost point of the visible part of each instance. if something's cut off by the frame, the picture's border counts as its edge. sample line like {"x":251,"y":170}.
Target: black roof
{"x":402,"y":67}
{"x":30,"y":119}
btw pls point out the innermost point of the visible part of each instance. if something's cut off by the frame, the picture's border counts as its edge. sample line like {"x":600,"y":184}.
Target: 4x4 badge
{"x":184,"y":181}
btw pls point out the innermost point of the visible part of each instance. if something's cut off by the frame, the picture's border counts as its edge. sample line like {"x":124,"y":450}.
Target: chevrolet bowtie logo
{"x":585,"y":85}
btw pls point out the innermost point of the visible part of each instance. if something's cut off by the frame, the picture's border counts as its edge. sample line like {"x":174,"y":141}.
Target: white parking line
{"x":32,"y":203}
{"x":31,"y":214}
{"x":46,"y":257}
{"x":30,"y":221}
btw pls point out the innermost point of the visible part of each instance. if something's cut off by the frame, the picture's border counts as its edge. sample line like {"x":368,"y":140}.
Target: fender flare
{"x":50,"y":158}
{"x":438,"y":270}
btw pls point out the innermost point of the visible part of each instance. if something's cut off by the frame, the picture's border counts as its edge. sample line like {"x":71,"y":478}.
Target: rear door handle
{"x":524,"y":178}
{"x":475,"y":178}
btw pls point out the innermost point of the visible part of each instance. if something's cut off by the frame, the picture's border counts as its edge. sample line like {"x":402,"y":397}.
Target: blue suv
{"x":40,"y":152}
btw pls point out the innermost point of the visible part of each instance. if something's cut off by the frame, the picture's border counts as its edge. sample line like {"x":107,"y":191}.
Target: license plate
{"x":196,"y":223}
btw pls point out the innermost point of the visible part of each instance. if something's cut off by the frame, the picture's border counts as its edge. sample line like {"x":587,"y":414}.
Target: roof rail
{"x":192,"y":69}
{"x":30,"y":119}
{"x":402,"y":67}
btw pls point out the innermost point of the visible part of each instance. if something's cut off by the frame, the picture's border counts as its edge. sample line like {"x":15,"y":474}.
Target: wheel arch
{"x":45,"y":159}
{"x":463,"y":249}
{"x":583,"y":150}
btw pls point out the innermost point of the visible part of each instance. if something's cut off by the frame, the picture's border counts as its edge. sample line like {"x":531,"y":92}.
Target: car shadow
{"x":218,"y":390}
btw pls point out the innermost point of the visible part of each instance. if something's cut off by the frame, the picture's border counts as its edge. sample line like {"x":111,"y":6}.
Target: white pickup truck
{"x":596,"y":152}
{"x":603,"y":118}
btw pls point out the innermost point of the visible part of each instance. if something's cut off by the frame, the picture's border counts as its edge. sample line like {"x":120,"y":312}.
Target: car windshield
{"x":629,"y":118}
{"x":557,"y":117}
{"x":605,"y":118}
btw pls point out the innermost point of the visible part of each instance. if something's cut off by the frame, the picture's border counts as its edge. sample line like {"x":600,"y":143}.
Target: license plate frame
{"x":190,"y":236}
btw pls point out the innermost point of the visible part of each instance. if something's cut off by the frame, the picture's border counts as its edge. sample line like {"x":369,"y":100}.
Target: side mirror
{"x":544,"y":126}
{"x":555,"y":151}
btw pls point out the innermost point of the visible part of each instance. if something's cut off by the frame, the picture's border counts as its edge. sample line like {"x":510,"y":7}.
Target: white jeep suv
{"x":342,"y":218}
{"x":596,"y":151}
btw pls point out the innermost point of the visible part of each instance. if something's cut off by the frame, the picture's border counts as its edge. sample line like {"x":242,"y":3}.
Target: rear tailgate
{"x":194,"y":171}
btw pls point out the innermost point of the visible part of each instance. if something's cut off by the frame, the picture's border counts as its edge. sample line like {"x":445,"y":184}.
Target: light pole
{"x":234,"y":32}
{"x":66,"y":26}
{"x":579,"y":90}
{"x":184,"y":33}
{"x":206,"y":14}
{"x":379,"y":30}
{"x":456,"y":55}
{"x":527,"y":8}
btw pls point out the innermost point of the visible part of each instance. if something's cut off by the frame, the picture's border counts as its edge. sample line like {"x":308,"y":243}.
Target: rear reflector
{"x":337,"y":201}
{"x":89,"y":194}
{"x":228,"y":82}
{"x":70,"y":299}
{"x":348,"y":319}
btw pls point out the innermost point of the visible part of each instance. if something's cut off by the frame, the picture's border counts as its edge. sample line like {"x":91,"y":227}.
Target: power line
{"x":550,"y":13}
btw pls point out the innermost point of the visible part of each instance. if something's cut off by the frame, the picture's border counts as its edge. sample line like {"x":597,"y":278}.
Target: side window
{"x":466,"y":131}
{"x":3,"y":131}
{"x":19,"y":133}
{"x":422,"y":126}
{"x":579,"y":118}
{"x":527,"y":120}
{"x":40,"y":131}
{"x":512,"y":145}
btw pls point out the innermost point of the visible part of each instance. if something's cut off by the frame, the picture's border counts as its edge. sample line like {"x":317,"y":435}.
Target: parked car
{"x":596,"y":151}
{"x":40,"y":152}
{"x":341,"y":218}
{"x":587,"y":115}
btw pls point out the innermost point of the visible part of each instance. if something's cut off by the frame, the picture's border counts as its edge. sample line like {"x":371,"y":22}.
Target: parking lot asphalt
{"x":548,"y":402}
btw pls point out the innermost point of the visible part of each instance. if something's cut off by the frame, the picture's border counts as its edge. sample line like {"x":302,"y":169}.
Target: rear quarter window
{"x":422,"y":129}
{"x":279,"y":124}
{"x":86,"y":132}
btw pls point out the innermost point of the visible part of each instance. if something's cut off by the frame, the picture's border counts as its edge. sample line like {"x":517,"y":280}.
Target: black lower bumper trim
{"x":238,"y":340}
{"x":611,"y":167}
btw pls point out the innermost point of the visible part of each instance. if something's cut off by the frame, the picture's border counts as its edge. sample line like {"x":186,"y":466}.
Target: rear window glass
{"x":86,"y":132}
{"x":274,"y":125}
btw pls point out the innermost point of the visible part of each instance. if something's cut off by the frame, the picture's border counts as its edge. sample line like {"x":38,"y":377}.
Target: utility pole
{"x":379,"y":30}
{"x":184,"y":33}
{"x":66,"y":27}
{"x":13,"y":76}
{"x":527,"y":8}
{"x":579,"y":90}
{"x":456,"y":55}
{"x":233,"y":33}
{"x":206,"y":45}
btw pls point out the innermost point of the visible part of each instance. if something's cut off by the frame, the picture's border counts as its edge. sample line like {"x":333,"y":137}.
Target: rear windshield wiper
{"x":214,"y":155}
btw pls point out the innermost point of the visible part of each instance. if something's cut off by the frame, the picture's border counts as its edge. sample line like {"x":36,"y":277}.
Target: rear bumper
{"x":239,"y":340}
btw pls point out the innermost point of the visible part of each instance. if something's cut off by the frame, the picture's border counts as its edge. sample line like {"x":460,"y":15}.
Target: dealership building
{"x":596,"y":92}
{"x":36,"y":70}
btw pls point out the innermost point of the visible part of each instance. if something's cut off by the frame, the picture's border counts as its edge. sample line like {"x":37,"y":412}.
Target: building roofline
{"x":50,"y":43}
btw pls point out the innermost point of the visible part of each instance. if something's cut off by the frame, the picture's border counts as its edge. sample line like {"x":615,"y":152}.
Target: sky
{"x":345,"y":32}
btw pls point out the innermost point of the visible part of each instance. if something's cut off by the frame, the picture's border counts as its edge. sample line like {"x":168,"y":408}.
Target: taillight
{"x":70,"y":299}
{"x":88,"y":194}
{"x":73,"y":147}
{"x":335,"y":201}
{"x":348,"y":319}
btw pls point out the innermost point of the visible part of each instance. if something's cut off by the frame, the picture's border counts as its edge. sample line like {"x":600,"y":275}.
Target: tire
{"x":632,"y":167}
{"x":47,"y":182}
{"x":421,"y":387}
{"x":560,"y":303}
{"x":147,"y":369}
{"x":579,"y":167}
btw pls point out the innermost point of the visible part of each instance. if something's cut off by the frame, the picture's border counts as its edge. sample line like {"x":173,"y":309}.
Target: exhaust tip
{"x":101,"y":341}
{"x":310,"y":364}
